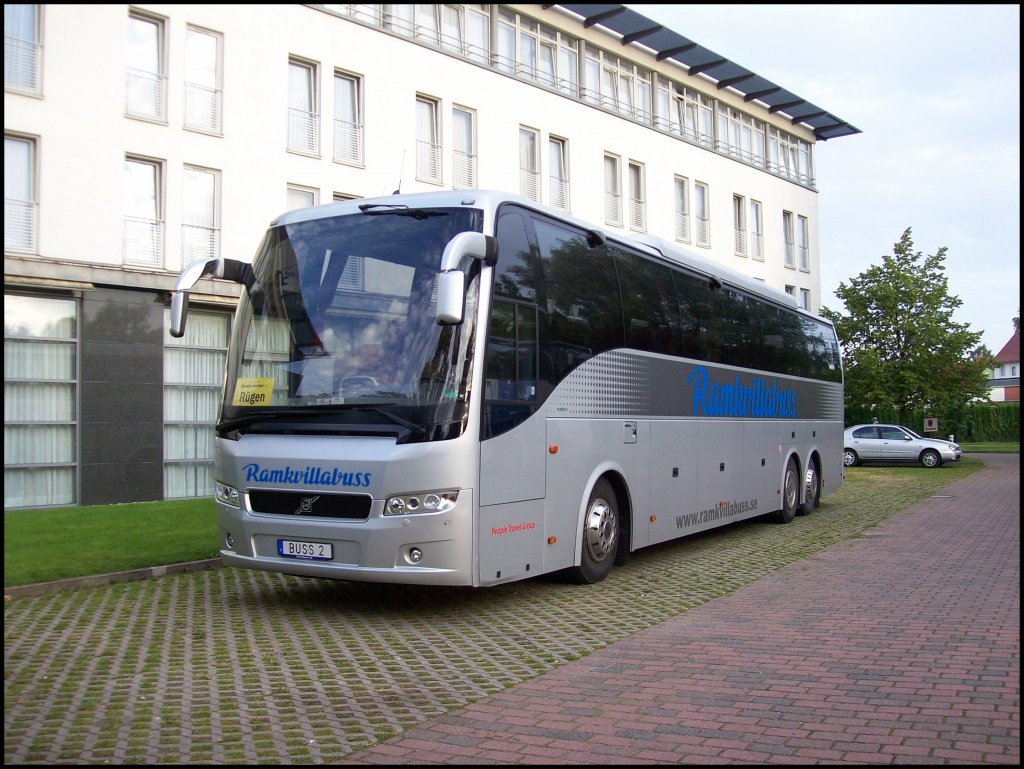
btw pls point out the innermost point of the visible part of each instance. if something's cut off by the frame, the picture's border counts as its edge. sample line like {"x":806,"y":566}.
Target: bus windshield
{"x":337,"y":333}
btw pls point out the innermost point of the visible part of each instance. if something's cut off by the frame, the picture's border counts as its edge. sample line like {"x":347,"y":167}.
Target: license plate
{"x":310,"y":551}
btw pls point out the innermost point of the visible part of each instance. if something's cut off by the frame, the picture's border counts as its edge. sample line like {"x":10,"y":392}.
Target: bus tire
{"x":601,"y":535}
{"x":790,"y":493}
{"x":812,"y":494}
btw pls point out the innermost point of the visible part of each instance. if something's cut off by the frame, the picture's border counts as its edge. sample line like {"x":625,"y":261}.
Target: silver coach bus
{"x":469,"y":388}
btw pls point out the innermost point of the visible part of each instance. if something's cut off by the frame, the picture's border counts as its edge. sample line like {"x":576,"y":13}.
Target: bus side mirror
{"x":451,"y":295}
{"x":451,"y":284}
{"x":229,"y":269}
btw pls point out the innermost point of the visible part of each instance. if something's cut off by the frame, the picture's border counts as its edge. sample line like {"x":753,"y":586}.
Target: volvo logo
{"x":306,"y":505}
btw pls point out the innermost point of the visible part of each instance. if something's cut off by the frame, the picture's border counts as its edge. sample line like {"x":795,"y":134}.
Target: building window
{"x":143,"y":212}
{"x":426,"y":22}
{"x":791,"y":290}
{"x":464,"y":148}
{"x":740,"y":136}
{"x":684,"y":112}
{"x":789,"y":157}
{"x":146,"y":95}
{"x":348,"y":122}
{"x":682,"y":208}
{"x":398,"y":18}
{"x":702,"y":213}
{"x":193,"y":376}
{"x":203,"y":92}
{"x":452,"y":32}
{"x":567,"y":77}
{"x":612,"y":192}
{"x":21,"y":210}
{"x":591,"y":74}
{"x":303,"y":120}
{"x":200,"y":228}
{"x":478,"y":32}
{"x":428,"y":146}
{"x":637,"y":198}
{"x":300,"y":197}
{"x":40,"y":401}
{"x":789,"y":258}
{"x":802,"y":243}
{"x":618,"y":85}
{"x":558,"y":172}
{"x":756,"y":231}
{"x":805,"y":298}
{"x":739,"y":224}
{"x":529,"y":163}
{"x":534,"y":51}
{"x":22,"y":50}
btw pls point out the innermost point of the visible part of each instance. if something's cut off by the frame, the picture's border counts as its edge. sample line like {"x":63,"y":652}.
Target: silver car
{"x":895,"y":445}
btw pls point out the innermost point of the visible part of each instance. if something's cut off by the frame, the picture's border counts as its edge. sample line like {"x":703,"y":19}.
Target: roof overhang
{"x":634,"y":28}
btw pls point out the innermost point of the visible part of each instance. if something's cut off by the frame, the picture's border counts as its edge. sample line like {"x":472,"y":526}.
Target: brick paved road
{"x":755,"y":643}
{"x":902,"y":646}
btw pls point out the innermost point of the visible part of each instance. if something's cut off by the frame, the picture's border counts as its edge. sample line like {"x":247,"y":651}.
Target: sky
{"x":935,"y":91}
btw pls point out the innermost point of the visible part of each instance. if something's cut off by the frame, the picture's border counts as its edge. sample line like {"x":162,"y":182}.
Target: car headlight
{"x":423,"y":502}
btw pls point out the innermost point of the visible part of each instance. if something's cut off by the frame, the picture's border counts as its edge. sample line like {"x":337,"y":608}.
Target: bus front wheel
{"x":600,"y":535}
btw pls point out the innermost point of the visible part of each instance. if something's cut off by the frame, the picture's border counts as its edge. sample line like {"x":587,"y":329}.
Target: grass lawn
{"x":56,"y":543}
{"x":991,"y":448}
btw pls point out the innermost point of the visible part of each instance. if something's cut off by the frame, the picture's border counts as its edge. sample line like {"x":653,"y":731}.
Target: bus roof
{"x":490,"y":200}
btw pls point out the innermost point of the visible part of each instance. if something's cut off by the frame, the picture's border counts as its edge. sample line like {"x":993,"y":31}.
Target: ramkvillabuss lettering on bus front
{"x":308,"y":476}
{"x":735,"y":399}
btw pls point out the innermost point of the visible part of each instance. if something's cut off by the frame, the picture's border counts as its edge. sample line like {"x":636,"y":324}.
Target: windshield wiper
{"x":412,"y":427}
{"x":335,"y":410}
{"x":398,"y":209}
{"x":259,"y":416}
{"x":230,"y":424}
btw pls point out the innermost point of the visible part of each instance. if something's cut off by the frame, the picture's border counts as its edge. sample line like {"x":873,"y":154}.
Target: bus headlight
{"x":227,"y":494}
{"x":424,"y":502}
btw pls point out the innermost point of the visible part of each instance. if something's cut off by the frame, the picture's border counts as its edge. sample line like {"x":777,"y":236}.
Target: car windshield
{"x":338,"y":330}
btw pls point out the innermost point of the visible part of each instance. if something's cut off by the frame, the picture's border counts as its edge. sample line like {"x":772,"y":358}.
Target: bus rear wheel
{"x":600,"y":535}
{"x":790,"y":493}
{"x":813,"y":492}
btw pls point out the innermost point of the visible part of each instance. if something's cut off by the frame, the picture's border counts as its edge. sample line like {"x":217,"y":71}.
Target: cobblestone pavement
{"x":863,"y":633}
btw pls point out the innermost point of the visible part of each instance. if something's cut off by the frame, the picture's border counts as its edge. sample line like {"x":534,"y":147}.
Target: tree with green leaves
{"x":901,"y":346}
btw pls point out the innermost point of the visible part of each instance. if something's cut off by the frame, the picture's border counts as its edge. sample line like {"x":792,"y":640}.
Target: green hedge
{"x":971,"y":423}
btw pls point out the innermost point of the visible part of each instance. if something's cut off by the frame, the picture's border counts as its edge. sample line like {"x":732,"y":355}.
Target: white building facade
{"x":138,"y":138}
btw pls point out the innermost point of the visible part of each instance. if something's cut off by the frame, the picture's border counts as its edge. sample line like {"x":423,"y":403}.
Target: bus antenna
{"x":398,"y":190}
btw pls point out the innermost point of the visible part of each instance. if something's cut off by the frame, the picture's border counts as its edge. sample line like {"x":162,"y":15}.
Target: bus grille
{"x":308,"y":504}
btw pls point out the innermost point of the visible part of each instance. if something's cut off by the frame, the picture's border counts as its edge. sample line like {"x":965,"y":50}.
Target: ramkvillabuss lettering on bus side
{"x":309,"y":476}
{"x":735,"y":399}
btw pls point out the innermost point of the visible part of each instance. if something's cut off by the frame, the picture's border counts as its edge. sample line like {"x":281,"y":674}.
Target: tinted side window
{"x":866,"y":432}
{"x":649,"y":305}
{"x":516,"y":271}
{"x":700,"y":318}
{"x":584,"y":312}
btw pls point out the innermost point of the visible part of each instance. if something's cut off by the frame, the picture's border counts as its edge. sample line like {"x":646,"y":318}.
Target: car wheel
{"x":930,"y":458}
{"x":600,"y":535}
{"x":813,"y":492}
{"x":850,"y":458}
{"x":790,"y":493}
